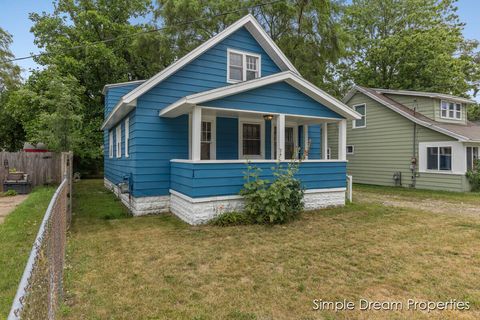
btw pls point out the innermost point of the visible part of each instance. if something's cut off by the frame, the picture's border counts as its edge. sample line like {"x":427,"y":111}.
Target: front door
{"x":289,"y":142}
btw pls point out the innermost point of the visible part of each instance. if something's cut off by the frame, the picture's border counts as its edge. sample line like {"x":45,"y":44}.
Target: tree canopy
{"x":408,"y":44}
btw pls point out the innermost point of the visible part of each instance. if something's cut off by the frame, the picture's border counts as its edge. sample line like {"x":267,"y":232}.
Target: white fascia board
{"x":120,"y":111}
{"x":349,"y":94}
{"x":248,"y":21}
{"x":288,"y":76}
{"x":414,"y":119}
{"x":425,"y":94}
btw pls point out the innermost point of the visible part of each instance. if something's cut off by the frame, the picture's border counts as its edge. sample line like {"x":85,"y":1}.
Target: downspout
{"x":413,"y":160}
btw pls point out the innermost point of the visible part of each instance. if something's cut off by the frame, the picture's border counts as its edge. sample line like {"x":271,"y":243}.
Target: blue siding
{"x":268,"y":139}
{"x":162,"y":139}
{"x":314,"y":136}
{"x":227,"y":138}
{"x":275,"y":98}
{"x":118,"y":168}
{"x":114,"y":94}
{"x":205,"y":180}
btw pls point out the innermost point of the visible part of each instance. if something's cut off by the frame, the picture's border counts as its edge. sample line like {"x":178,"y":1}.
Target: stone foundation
{"x":200,"y":210}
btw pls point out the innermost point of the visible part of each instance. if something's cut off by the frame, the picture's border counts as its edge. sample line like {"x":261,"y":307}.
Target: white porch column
{"x":281,"y":137}
{"x":324,"y":140}
{"x":342,"y":140}
{"x":196,"y":132}
{"x":306,"y":147}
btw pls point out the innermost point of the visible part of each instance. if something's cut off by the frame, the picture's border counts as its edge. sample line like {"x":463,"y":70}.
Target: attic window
{"x":242,"y":66}
{"x":450,"y":110}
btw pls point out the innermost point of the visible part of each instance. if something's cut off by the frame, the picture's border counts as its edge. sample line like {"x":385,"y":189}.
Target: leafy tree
{"x":308,"y":32}
{"x":70,"y":36}
{"x":11,"y":132}
{"x":49,"y":109}
{"x":410,"y":44}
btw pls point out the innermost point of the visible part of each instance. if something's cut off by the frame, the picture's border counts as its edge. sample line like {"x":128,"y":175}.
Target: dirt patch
{"x":7,"y":204}
{"x":430,"y":205}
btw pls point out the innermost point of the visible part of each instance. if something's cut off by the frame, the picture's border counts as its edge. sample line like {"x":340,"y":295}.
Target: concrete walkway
{"x":7,"y":204}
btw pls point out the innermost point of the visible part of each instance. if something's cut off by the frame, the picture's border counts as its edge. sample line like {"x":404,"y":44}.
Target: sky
{"x":14,"y":19}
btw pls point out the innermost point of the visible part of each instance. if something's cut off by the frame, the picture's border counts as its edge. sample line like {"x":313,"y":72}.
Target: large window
{"x":127,"y":136}
{"x":451,"y":110}
{"x":439,"y":158}
{"x":251,"y":140}
{"x":360,"y":123}
{"x":118,"y":137}
{"x":242,"y":66}
{"x":206,"y":140}
{"x":472,"y":156}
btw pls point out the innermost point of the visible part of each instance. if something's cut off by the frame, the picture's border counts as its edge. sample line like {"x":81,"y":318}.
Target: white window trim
{"x":353,"y":149}
{"x":110,"y":144}
{"x":454,"y":111}
{"x":127,"y":136}
{"x":459,"y":162}
{"x":213,"y":143}
{"x":293,"y":125}
{"x":261,"y":122}
{"x":472,"y":158}
{"x":354,"y":122}
{"x":118,"y":140}
{"x":244,"y":64}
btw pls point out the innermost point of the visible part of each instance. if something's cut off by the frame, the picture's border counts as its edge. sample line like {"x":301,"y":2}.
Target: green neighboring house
{"x":410,"y":139}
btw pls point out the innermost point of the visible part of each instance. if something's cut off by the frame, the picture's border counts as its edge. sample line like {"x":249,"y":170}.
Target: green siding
{"x":385,"y":146}
{"x":425,"y":106}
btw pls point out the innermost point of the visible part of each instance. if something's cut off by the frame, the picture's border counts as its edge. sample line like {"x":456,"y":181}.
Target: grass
{"x":420,"y":194}
{"x":157,"y":267}
{"x":17,"y":234}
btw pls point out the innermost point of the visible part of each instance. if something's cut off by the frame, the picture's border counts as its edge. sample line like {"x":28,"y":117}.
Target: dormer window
{"x":242,"y":66}
{"x":451,"y":110}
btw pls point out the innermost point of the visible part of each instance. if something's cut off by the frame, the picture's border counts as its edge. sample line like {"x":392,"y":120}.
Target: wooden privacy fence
{"x":41,"y":167}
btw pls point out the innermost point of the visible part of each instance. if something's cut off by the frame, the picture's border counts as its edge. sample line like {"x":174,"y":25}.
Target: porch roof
{"x":186,"y":104}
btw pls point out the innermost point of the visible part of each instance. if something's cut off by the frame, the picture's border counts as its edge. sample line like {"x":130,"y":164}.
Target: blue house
{"x":180,"y":140}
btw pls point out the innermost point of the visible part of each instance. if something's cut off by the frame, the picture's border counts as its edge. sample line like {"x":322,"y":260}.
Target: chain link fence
{"x":40,"y":288}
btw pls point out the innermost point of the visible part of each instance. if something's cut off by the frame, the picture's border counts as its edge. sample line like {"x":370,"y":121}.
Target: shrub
{"x":231,"y":219}
{"x":276,"y":202}
{"x":473,"y":176}
{"x":9,"y":193}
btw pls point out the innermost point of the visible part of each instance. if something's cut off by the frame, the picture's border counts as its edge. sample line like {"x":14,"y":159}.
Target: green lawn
{"x":17,"y":234}
{"x":157,"y":267}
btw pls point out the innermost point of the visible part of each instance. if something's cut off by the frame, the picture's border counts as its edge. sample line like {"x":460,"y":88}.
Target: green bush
{"x":473,"y":176}
{"x":9,"y":193}
{"x":231,"y":219}
{"x":276,"y":202}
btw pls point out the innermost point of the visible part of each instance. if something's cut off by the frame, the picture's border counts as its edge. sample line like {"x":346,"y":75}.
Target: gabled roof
{"x":185,"y":104}
{"x":119,"y":84}
{"x":249,"y":22}
{"x":426,"y":94}
{"x":465,"y":133}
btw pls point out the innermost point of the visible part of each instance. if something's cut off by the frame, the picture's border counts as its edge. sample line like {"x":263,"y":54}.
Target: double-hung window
{"x":118,"y":137}
{"x":206,"y":140}
{"x":450,"y":110}
{"x":242,"y":66}
{"x":362,"y":122}
{"x":251,"y":140}
{"x":127,"y":136}
{"x":439,"y":158}
{"x":472,"y":157}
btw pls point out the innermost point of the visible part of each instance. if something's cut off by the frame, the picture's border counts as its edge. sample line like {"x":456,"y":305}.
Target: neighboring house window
{"x":439,"y":158}
{"x":110,"y":144}
{"x":450,"y":110}
{"x":350,"y":149}
{"x":118,"y":136}
{"x":242,"y":66}
{"x":472,"y":156}
{"x":127,"y":136}
{"x":360,"y":123}
{"x":329,"y":153}
{"x":251,"y":140}
{"x":206,"y":140}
